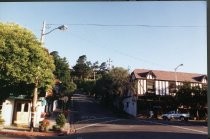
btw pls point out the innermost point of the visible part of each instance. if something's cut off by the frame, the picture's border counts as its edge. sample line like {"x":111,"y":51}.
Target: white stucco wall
{"x":130,"y":106}
{"x":162,"y":87}
{"x":7,"y":111}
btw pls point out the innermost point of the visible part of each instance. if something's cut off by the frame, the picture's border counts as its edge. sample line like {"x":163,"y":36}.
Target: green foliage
{"x":112,"y":86}
{"x":1,"y":119}
{"x":87,"y":86}
{"x":62,"y":72}
{"x":184,"y":95}
{"x":56,"y":128}
{"x":81,"y":71}
{"x":193,"y":98}
{"x":60,"y":120}
{"x":22,"y":59}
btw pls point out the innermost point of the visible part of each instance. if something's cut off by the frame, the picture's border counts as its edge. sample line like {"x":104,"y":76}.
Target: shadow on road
{"x":122,"y":135}
{"x":137,"y":135}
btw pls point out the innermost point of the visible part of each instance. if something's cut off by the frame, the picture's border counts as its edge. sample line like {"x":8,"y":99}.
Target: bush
{"x":56,"y":128}
{"x":43,"y":125}
{"x":1,"y":119}
{"x":60,"y":120}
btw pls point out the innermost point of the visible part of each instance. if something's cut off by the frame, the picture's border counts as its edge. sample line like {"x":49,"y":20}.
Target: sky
{"x":155,"y":35}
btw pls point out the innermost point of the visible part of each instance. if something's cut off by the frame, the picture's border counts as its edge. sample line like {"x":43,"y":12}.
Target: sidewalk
{"x":25,"y":131}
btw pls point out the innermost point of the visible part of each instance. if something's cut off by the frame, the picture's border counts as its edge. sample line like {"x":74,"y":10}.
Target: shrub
{"x":56,"y":128}
{"x":1,"y":119}
{"x":43,"y":125}
{"x":60,"y":120}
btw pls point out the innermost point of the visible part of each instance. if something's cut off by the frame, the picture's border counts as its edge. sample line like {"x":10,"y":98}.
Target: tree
{"x":62,"y":72}
{"x":193,"y":98}
{"x":23,"y":61}
{"x":112,"y":86}
{"x":199,"y":101}
{"x":82,"y":69}
{"x":183,"y":95}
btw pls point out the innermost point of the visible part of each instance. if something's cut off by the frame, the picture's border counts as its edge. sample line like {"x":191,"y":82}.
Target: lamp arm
{"x":50,"y":31}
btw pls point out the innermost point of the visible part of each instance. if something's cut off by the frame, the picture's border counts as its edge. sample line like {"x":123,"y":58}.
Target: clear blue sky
{"x":159,"y":35}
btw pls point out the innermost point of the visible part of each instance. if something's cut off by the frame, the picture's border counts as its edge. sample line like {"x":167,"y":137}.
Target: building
{"x":159,"y":83}
{"x":164,"y":82}
{"x":17,"y":111}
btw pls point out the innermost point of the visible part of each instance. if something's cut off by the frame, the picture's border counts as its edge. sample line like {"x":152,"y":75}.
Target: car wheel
{"x":165,"y":118}
{"x":182,"y":118}
{"x":186,"y":119}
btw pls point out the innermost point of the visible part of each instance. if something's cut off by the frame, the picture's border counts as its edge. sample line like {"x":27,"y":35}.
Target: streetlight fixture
{"x":176,"y":74}
{"x":62,"y":27}
{"x":35,"y":95}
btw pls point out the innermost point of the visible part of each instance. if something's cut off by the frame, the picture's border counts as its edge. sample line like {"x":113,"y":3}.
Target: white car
{"x":176,"y":115}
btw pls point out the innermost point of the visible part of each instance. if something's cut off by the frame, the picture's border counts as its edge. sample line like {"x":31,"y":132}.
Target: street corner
{"x":67,"y":132}
{"x":27,"y":133}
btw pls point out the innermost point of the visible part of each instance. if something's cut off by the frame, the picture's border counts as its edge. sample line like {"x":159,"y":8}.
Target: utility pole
{"x":43,"y":32}
{"x":35,"y":94}
{"x":94,"y":75}
{"x":109,"y":63}
{"x":176,"y":73}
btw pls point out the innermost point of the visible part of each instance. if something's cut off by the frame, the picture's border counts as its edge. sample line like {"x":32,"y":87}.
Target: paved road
{"x":94,"y":122}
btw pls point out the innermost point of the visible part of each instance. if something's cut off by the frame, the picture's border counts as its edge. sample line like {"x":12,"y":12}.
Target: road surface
{"x":92,"y":121}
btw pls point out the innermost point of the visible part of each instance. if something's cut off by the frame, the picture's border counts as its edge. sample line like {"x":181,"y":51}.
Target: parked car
{"x":176,"y":115}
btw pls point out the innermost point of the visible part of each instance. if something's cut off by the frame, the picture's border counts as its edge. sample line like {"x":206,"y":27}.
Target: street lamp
{"x":176,"y":74}
{"x":62,"y":27}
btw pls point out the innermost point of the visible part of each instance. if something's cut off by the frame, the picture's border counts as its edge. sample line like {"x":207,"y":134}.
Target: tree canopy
{"x":23,"y":60}
{"x":82,"y":69}
{"x":62,"y":73}
{"x":112,"y":86}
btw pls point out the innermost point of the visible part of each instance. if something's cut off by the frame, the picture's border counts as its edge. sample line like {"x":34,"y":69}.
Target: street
{"x":102,"y":124}
{"x":92,"y":121}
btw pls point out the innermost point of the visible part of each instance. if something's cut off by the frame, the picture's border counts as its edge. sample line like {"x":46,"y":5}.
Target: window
{"x":127,"y":104}
{"x":26,"y":107}
{"x":204,"y":86}
{"x":150,"y":86}
{"x":19,"y":106}
{"x":172,"y":87}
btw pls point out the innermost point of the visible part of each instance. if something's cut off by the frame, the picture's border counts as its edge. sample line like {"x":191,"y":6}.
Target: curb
{"x":27,"y":133}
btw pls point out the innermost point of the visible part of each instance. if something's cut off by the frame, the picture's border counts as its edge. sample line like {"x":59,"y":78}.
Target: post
{"x":43,"y":32}
{"x":94,"y":75}
{"x":208,"y":63}
{"x":33,"y":108}
{"x":176,"y":74}
{"x":109,"y":63}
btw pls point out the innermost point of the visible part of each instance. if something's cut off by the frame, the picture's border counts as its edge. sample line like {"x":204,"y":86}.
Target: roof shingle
{"x":169,"y":75}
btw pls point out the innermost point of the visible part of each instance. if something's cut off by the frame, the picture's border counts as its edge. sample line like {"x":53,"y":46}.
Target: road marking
{"x":98,"y":123}
{"x":93,"y":119}
{"x":190,"y":129}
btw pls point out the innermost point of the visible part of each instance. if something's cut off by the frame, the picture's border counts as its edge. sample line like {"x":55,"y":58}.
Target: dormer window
{"x":150,"y":75}
{"x":204,"y":80}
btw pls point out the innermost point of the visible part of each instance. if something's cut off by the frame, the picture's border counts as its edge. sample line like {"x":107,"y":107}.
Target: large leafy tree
{"x":62,"y":72}
{"x":23,"y":61}
{"x":184,"y":95}
{"x":82,"y":69}
{"x":194,"y":98}
{"x":112,"y":86}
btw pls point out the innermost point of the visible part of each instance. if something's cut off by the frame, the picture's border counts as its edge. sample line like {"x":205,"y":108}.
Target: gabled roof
{"x":169,"y":75}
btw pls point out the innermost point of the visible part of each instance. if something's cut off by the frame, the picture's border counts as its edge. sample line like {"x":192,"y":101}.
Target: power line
{"x":136,"y":58}
{"x":134,"y":25}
